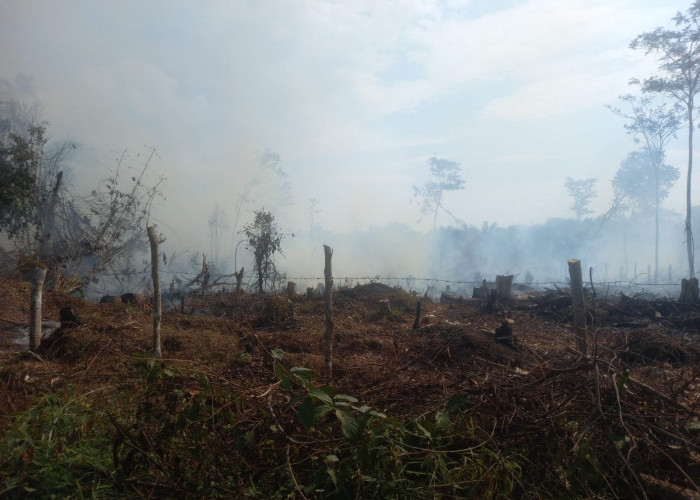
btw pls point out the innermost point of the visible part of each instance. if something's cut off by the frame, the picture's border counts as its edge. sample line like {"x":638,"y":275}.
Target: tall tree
{"x":447,"y":176}
{"x":582,"y":191}
{"x":678,"y":54}
{"x":653,"y":124}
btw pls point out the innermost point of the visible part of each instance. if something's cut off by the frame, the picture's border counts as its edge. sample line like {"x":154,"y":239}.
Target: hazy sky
{"x":353,"y":95}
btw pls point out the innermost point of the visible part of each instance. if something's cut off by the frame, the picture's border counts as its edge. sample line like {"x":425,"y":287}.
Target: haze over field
{"x":348,"y":99}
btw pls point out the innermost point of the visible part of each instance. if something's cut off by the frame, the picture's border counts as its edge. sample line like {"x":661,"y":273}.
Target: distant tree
{"x":678,"y":53}
{"x":264,"y":239}
{"x":312,"y":205}
{"x":267,"y":183}
{"x":447,"y":178}
{"x":640,"y":184}
{"x":581,"y":191}
{"x":218,"y":225}
{"x":654,"y":125}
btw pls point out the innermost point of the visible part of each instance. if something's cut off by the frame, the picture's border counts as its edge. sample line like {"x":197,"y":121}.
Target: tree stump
{"x":504,"y":333}
{"x":504,"y":285}
{"x":689,"y":291}
{"x":481,"y":292}
{"x":385,"y":307}
{"x":239,"y":280}
{"x":417,"y":321}
{"x":69,"y":318}
{"x":291,"y":289}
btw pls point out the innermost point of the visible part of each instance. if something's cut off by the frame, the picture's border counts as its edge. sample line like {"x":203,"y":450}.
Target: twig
{"x":624,"y":426}
{"x":671,"y":490}
{"x":291,"y":473}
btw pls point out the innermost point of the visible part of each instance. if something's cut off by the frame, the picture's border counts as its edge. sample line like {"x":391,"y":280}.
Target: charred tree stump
{"x":481,"y":292}
{"x":417,"y":321}
{"x":578,"y":303}
{"x":689,"y":291}
{"x":291,"y":289}
{"x":35,"y":308}
{"x":504,"y":285}
{"x":153,"y":240}
{"x":504,"y":333}
{"x":328,"y":299}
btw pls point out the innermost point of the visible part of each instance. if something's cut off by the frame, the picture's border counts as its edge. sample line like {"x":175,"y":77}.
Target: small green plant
{"x":55,"y":449}
{"x":380,"y":457}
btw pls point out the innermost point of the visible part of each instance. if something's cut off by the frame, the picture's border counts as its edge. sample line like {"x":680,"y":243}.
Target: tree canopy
{"x":638,"y":179}
{"x":582,"y":192}
{"x":447,"y":177}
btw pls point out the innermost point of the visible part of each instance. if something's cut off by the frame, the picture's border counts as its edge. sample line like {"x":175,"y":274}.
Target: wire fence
{"x":640,"y":284}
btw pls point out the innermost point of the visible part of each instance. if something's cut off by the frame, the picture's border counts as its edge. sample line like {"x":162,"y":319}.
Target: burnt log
{"x":110,"y":299}
{"x":448,"y":298}
{"x":133,"y":298}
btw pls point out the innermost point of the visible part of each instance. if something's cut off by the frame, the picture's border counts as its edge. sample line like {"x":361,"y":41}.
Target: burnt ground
{"x":635,"y":397}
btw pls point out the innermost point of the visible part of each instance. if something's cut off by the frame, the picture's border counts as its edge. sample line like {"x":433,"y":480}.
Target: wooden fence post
{"x":153,"y":240}
{"x":417,"y":320}
{"x":35,"y":308}
{"x":328,"y":299}
{"x":578,"y":304}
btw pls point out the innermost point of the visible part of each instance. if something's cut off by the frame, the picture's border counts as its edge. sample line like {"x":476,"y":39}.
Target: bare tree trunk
{"x":259,"y":267}
{"x":153,"y":240}
{"x":239,"y":280}
{"x":35,"y":308}
{"x":291,"y":289}
{"x":49,"y":218}
{"x":656,"y":221}
{"x":578,"y":303}
{"x":328,"y":299}
{"x":688,"y":222}
{"x":204,"y":273}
